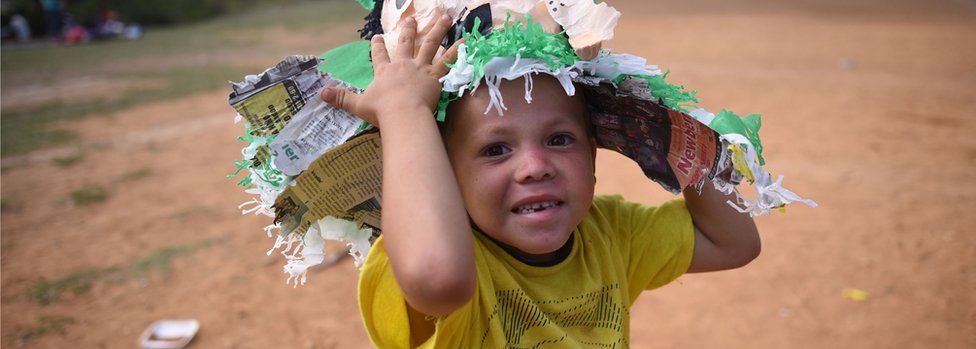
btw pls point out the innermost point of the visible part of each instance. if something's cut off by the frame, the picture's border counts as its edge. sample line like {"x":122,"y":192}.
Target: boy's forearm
{"x":732,"y":234}
{"x":425,"y":225}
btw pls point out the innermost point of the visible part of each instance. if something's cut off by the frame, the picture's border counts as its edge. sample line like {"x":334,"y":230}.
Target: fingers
{"x":377,"y":49}
{"x":339,"y":98}
{"x":432,"y":40}
{"x":449,"y":56}
{"x":405,"y":43}
{"x":348,"y":101}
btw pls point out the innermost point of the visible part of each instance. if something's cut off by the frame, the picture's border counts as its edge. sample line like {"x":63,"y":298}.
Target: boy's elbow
{"x":438,"y":292}
{"x":752,"y":252}
{"x":748,"y":252}
{"x":442,"y":297}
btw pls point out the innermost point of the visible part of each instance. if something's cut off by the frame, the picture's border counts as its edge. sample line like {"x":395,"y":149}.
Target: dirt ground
{"x":867,"y":107}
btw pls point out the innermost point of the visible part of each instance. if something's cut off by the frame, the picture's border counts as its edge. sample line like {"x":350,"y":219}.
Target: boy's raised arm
{"x":724,"y":238}
{"x":425,"y":226}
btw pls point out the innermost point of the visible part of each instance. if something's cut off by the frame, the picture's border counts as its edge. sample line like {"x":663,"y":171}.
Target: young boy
{"x":492,"y":236}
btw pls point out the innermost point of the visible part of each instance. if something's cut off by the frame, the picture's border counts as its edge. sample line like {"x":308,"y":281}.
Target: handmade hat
{"x":632,"y":108}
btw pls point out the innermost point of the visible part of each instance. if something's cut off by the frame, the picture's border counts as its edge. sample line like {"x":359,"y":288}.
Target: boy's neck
{"x":535,"y":260}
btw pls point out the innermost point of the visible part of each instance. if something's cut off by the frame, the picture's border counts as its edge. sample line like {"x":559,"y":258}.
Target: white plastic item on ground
{"x":169,"y":334}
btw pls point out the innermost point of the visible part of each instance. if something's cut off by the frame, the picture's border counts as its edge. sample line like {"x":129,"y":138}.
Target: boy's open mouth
{"x":536,"y":207}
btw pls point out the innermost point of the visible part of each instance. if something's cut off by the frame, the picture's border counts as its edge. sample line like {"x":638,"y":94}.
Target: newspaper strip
{"x":270,"y":99}
{"x":317,"y":128}
{"x":345,"y":182}
{"x":694,"y":150}
{"x":671,"y":147}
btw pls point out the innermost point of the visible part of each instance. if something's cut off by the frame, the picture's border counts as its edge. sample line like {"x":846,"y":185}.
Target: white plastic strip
{"x":311,"y":251}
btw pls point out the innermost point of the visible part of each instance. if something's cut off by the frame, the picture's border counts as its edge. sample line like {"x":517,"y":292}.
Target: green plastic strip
{"x":728,"y":122}
{"x":349,"y":63}
{"x":526,"y":39}
{"x":367,"y":4}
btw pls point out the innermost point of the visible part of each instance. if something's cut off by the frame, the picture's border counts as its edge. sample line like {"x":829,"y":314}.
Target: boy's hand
{"x":407,"y":81}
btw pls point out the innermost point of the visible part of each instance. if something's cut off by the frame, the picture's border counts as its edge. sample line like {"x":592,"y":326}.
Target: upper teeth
{"x":535,"y":207}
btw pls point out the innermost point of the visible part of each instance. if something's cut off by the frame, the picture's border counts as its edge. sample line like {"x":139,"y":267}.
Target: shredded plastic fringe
{"x":770,"y":194}
{"x":517,"y":39}
{"x":263,"y":172}
{"x":310,"y":248}
{"x":605,"y":66}
{"x":673,"y":96}
{"x":745,"y":152}
{"x":521,"y":49}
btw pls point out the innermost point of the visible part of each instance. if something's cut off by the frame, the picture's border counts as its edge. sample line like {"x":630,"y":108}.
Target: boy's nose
{"x":535,"y":165}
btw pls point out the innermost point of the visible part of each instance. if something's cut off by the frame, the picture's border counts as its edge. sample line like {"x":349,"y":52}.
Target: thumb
{"x":340,"y":98}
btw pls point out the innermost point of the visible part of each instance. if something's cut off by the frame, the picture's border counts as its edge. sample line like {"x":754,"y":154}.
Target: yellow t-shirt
{"x":620,"y":249}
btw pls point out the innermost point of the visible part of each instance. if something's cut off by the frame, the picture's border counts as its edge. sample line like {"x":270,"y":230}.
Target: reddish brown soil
{"x":868,"y":110}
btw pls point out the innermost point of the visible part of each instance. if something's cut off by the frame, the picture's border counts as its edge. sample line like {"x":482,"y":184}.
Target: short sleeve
{"x":381,"y":303}
{"x":384,"y":308}
{"x":661,"y":241}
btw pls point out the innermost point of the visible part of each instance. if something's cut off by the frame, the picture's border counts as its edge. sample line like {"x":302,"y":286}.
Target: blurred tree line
{"x":145,"y":12}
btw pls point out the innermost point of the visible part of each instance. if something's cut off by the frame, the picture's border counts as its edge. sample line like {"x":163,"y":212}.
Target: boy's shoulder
{"x":608,"y":200}
{"x":616,"y":204}
{"x":615,"y":215}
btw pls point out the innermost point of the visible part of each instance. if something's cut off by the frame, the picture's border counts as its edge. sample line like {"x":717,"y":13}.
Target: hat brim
{"x":670,"y":146}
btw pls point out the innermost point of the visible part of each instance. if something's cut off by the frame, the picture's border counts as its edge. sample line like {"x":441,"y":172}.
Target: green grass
{"x":161,"y":259}
{"x":68,"y":160}
{"x":185,"y":60}
{"x":77,"y":283}
{"x":138,"y":174}
{"x":45,"y":325}
{"x":195,"y":210}
{"x":89,"y":195}
{"x":80,"y":282}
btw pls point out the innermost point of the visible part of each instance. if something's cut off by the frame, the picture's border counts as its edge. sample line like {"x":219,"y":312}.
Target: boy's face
{"x":526,"y":177}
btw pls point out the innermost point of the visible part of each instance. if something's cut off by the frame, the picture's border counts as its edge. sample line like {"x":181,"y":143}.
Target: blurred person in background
{"x":20,"y":27}
{"x":109,"y":25}
{"x":53,"y":14}
{"x":74,"y":32}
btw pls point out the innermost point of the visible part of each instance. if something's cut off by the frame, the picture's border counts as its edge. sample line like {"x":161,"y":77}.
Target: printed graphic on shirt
{"x":593,"y":319}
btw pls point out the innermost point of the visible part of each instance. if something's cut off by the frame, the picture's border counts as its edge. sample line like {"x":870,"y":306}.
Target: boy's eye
{"x":495,"y":150}
{"x":561,"y":140}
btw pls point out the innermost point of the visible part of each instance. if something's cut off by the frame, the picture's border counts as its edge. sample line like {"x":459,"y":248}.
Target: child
{"x":492,"y":236}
